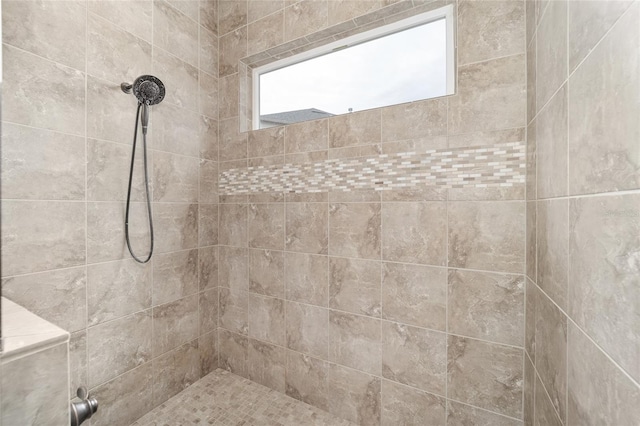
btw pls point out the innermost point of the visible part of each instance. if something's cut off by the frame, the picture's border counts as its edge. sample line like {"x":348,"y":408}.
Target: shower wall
{"x":140,"y":333}
{"x":403,"y":306}
{"x":583,"y":213}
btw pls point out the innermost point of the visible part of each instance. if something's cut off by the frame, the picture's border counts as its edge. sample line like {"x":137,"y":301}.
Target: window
{"x":405,"y":61}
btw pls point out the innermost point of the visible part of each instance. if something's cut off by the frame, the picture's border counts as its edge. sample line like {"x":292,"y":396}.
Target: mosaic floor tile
{"x":222,"y":398}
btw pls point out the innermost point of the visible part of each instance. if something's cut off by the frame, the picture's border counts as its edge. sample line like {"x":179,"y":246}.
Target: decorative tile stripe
{"x":500,"y":165}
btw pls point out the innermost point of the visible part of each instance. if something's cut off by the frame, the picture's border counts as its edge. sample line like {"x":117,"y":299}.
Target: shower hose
{"x":146,"y":187}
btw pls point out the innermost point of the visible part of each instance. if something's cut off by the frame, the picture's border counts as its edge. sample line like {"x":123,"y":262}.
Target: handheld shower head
{"x":149,"y":90}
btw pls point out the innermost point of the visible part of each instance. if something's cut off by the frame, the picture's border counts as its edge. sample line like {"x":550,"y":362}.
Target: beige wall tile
{"x":266,"y":226}
{"x":234,"y":310}
{"x":531,"y":238}
{"x":231,"y":15}
{"x":118,"y":346}
{"x":266,"y":319}
{"x":208,"y":267}
{"x":531,"y":77}
{"x":54,"y":30}
{"x":409,"y":406}
{"x":114,"y":54}
{"x":529,"y":389}
{"x":530,"y":320}
{"x":414,"y":295}
{"x":233,"y":225}
{"x":307,"y":329}
{"x":415,"y":232}
{"x":551,"y":147}
{"x":208,"y":182}
{"x":232,"y":270}
{"x":545,"y":414}
{"x":228,"y":96}
{"x":116,"y":289}
{"x":306,"y":379}
{"x":175,"y":130}
{"x":358,"y":128}
{"x":233,"y":352}
{"x":208,"y":99}
{"x":343,"y":10}
{"x":188,"y":7}
{"x":355,"y":341}
{"x":355,"y":286}
{"x":25,"y":403}
{"x":266,"y":272}
{"x":414,"y":120}
{"x":208,"y":138}
{"x":491,"y":96}
{"x":105,"y":231}
{"x":209,"y":15}
{"x":126,"y":397}
{"x":603,"y":274}
{"x":207,"y":224}
{"x":487,"y":236}
{"x":603,"y":125}
{"x":208,"y":311}
{"x":599,"y":393}
{"x":175,"y":178}
{"x":414,"y":356}
{"x":307,"y":279}
{"x":41,"y":165}
{"x":461,"y":414}
{"x":307,"y":227}
{"x":175,"y":371}
{"x":588,"y":23}
{"x":485,"y":375}
{"x":233,"y":144}
{"x":551,"y":51}
{"x":77,"y":361}
{"x":265,"y":33}
{"x":353,"y":395}
{"x":257,"y":9}
{"x":39,"y":235}
{"x":486,"y":306}
{"x":175,"y":275}
{"x":488,"y":30}
{"x":175,"y":32}
{"x":208,"y":51}
{"x":55,"y":100}
{"x":551,"y":352}
{"x":179,"y":223}
{"x":553,"y":249}
{"x":107,"y":172}
{"x":354,"y":230}
{"x":133,"y":16}
{"x":233,"y":47}
{"x":305,"y":17}
{"x":266,"y":364}
{"x":266,"y":142}
{"x":208,"y":347}
{"x":57,"y":296}
{"x":307,"y":136}
{"x":174,"y":324}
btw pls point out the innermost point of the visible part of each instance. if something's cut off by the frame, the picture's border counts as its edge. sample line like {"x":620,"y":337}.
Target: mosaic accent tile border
{"x":500,"y":165}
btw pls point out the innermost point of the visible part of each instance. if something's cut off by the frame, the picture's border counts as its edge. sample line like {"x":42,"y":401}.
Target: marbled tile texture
{"x":140,"y":333}
{"x":403,"y":306}
{"x":582,"y":297}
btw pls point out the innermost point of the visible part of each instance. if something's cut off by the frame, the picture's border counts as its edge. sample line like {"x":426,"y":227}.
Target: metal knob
{"x":83,"y":410}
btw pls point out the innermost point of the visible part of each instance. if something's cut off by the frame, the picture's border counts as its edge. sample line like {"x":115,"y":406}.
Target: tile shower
{"x":505,"y":296}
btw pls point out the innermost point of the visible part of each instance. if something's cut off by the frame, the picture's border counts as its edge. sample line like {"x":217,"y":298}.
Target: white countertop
{"x":23,"y":332}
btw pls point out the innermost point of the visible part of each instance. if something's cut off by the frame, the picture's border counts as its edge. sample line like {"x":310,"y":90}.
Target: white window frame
{"x":445,"y":12}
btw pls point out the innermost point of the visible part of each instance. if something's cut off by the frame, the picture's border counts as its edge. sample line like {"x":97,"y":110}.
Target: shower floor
{"x":222,"y":398}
